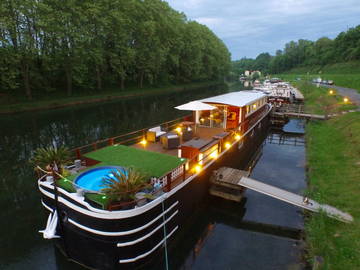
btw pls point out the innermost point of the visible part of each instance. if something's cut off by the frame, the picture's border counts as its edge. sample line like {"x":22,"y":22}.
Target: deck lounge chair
{"x":170,"y":141}
{"x":153,"y":134}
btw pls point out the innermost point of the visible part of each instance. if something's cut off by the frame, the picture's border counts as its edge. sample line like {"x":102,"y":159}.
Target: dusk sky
{"x":252,"y":27}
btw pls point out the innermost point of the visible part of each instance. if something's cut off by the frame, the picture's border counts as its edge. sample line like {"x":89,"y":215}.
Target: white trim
{"x":124,"y":244}
{"x":92,"y":211}
{"x":150,"y":251}
{"x":46,"y":206}
{"x":124,"y":232}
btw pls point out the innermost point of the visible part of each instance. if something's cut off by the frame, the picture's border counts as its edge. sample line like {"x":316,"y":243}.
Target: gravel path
{"x":352,"y":94}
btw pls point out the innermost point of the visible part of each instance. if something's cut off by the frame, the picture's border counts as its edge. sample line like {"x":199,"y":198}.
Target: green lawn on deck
{"x":151,"y":163}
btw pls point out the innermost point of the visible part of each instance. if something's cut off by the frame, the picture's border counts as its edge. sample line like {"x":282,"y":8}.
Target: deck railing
{"x":125,"y":139}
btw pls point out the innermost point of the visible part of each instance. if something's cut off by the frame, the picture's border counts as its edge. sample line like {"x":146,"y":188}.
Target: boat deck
{"x":200,"y":133}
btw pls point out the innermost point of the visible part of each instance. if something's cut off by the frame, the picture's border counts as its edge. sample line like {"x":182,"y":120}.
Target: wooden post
{"x":94,"y":145}
{"x":168,"y":184}
{"x":78,"y":153}
{"x":184,"y":172}
{"x":111,"y":141}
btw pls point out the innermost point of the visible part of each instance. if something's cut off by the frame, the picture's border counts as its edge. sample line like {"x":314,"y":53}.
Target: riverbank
{"x":60,"y":102}
{"x":333,"y":149}
{"x":343,"y":74}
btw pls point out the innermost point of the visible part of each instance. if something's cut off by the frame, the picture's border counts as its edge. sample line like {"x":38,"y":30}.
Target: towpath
{"x":353,"y":94}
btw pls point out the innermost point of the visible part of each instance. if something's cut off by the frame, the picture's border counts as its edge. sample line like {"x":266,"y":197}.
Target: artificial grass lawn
{"x":333,"y":155}
{"x":151,"y":163}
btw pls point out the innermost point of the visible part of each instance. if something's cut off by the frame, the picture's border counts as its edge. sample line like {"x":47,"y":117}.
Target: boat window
{"x":213,"y":118}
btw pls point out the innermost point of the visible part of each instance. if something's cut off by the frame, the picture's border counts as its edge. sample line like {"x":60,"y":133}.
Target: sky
{"x":249,"y":28}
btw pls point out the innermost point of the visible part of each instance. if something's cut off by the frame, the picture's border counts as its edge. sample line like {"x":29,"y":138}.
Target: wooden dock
{"x":296,"y":110}
{"x":228,"y":177}
{"x":225,"y":183}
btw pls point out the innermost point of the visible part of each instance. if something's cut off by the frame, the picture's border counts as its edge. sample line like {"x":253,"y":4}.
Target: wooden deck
{"x":200,"y":132}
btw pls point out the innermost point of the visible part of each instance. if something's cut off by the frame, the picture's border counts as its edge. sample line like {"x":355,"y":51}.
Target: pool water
{"x":93,"y":179}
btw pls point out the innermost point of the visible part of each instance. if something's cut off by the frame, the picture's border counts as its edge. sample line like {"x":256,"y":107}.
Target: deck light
{"x":237,"y":137}
{"x":227,"y":145}
{"x":198,"y":168}
{"x":143,"y":142}
{"x":346,"y":100}
{"x":331,"y":92}
{"x":178,"y":129}
{"x":254,"y":106}
{"x":202,"y":119}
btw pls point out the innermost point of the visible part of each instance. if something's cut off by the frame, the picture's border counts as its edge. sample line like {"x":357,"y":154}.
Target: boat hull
{"x":99,"y":239}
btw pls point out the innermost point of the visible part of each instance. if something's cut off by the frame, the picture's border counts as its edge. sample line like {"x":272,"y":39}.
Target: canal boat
{"x":178,"y":156}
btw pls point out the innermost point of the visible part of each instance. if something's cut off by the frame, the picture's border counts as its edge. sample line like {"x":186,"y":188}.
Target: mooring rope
{"x":165,"y":237}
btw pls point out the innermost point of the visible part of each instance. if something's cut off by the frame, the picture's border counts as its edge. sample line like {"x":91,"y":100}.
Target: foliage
{"x":124,"y":183}
{"x":305,"y":53}
{"x":50,"y":156}
{"x":333,"y":172}
{"x":76,"y":45}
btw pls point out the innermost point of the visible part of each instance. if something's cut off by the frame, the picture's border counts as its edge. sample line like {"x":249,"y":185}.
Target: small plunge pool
{"x":93,"y":178}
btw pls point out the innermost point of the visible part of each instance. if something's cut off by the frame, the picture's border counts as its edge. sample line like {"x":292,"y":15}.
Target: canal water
{"x":259,"y":233}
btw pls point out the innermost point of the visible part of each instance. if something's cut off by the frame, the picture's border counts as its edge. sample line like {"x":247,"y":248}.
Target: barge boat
{"x":178,"y":156}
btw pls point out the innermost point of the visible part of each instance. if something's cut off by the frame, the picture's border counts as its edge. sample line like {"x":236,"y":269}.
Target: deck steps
{"x":229,"y":177}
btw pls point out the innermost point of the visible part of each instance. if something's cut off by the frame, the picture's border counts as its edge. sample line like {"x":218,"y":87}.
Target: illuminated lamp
{"x":197,"y":168}
{"x":346,"y":100}
{"x":143,"y":142}
{"x":227,"y":145}
{"x":178,"y":129}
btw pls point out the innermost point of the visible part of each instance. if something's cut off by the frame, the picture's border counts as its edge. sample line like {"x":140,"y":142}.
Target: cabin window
{"x":213,"y":118}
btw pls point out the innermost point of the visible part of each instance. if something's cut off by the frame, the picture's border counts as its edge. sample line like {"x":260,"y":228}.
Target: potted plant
{"x":50,"y":158}
{"x":122,"y":185}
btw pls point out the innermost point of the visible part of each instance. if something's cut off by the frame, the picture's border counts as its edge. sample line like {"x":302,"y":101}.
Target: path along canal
{"x":259,"y":233}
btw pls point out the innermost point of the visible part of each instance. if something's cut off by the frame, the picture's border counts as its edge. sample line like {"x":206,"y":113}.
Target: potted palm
{"x":123,"y":184}
{"x":51,"y":158}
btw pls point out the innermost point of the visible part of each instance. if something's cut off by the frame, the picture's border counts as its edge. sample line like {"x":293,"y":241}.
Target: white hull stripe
{"x":150,"y":251}
{"x":46,"y":206}
{"x":149,"y":234}
{"x":94,"y":231}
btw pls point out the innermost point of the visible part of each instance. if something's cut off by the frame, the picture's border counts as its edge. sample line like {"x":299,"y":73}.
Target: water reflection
{"x":258,"y":233}
{"x":220,"y":234}
{"x":22,"y":214}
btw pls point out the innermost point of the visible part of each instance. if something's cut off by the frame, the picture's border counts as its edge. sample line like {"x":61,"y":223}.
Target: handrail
{"x":126,"y":134}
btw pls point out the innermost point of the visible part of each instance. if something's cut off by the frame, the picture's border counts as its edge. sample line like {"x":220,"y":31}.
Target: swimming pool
{"x":93,"y":178}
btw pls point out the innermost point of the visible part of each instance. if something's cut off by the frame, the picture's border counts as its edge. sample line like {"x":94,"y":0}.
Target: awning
{"x":238,"y":99}
{"x":195,"y":106}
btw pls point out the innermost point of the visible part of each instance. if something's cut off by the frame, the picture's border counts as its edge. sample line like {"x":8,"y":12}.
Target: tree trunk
{"x":26,"y":79}
{"x":98,"y":79}
{"x":122,"y":83}
{"x":141,"y":79}
{"x":68,"y":81}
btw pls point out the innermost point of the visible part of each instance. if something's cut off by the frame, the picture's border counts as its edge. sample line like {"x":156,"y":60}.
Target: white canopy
{"x":195,"y":106}
{"x":238,"y":99}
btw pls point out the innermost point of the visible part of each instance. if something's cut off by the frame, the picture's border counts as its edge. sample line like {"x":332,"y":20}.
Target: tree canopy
{"x":70,"y":45}
{"x":345,"y":47}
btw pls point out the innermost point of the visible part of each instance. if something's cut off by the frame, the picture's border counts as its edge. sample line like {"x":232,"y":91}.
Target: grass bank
{"x":14,"y":106}
{"x":333,"y":159}
{"x":343,"y":74}
{"x":318,"y":100}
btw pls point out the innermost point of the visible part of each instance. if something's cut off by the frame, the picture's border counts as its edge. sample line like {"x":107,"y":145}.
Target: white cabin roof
{"x":238,"y":99}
